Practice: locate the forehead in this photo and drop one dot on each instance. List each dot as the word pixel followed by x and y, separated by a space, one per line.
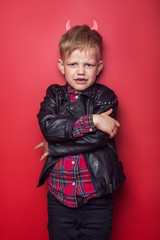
pixel 87 54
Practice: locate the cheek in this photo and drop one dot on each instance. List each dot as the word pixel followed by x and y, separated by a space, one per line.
pixel 67 74
pixel 94 74
pixel 70 72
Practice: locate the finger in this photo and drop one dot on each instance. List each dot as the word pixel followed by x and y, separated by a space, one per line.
pixel 117 124
pixel 113 132
pixel 44 156
pixel 111 135
pixel 39 145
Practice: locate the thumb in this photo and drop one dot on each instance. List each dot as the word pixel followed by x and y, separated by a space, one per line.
pixel 109 111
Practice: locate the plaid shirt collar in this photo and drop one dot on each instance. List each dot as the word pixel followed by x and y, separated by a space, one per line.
pixel 72 91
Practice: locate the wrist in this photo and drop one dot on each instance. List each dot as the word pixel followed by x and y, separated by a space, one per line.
pixel 95 119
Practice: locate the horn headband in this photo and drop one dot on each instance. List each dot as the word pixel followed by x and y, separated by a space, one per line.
pixel 95 25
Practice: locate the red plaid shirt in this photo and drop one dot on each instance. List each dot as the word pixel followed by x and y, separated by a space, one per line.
pixel 70 176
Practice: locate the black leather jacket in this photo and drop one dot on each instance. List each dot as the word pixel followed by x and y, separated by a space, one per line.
pixel 57 117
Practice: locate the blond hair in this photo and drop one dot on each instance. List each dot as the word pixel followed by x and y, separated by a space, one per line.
pixel 79 37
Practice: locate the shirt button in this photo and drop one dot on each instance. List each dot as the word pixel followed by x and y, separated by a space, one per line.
pixel 76 96
pixel 90 129
pixel 73 162
pixel 73 183
pixel 71 107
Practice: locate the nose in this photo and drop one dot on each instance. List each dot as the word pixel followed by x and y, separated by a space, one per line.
pixel 81 70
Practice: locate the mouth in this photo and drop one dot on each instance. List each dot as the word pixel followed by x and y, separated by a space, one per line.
pixel 80 80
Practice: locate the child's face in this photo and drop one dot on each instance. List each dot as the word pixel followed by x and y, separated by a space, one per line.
pixel 81 68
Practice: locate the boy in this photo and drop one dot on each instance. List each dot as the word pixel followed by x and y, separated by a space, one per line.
pixel 78 123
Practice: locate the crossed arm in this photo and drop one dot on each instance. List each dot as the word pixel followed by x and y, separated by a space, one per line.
pixel 103 122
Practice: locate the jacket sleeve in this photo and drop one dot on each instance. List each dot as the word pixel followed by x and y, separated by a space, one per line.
pixel 91 141
pixel 54 128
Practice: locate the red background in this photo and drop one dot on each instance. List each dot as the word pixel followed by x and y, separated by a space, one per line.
pixel 30 31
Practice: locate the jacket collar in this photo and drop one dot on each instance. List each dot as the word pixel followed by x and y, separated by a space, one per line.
pixel 90 92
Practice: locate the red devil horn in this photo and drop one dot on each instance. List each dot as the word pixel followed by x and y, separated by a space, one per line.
pixel 95 25
pixel 68 26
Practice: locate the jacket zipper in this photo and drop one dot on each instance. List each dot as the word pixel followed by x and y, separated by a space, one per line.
pixel 104 163
pixel 88 107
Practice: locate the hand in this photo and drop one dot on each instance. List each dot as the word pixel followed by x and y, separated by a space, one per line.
pixel 105 123
pixel 43 144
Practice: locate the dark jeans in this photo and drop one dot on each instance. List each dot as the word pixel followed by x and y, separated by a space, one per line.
pixel 90 221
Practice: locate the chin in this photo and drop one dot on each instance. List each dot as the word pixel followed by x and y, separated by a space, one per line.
pixel 80 89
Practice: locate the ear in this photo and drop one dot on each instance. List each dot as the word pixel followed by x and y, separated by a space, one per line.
pixel 100 66
pixel 61 66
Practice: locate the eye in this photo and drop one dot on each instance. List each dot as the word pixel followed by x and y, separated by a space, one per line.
pixel 89 65
pixel 72 64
